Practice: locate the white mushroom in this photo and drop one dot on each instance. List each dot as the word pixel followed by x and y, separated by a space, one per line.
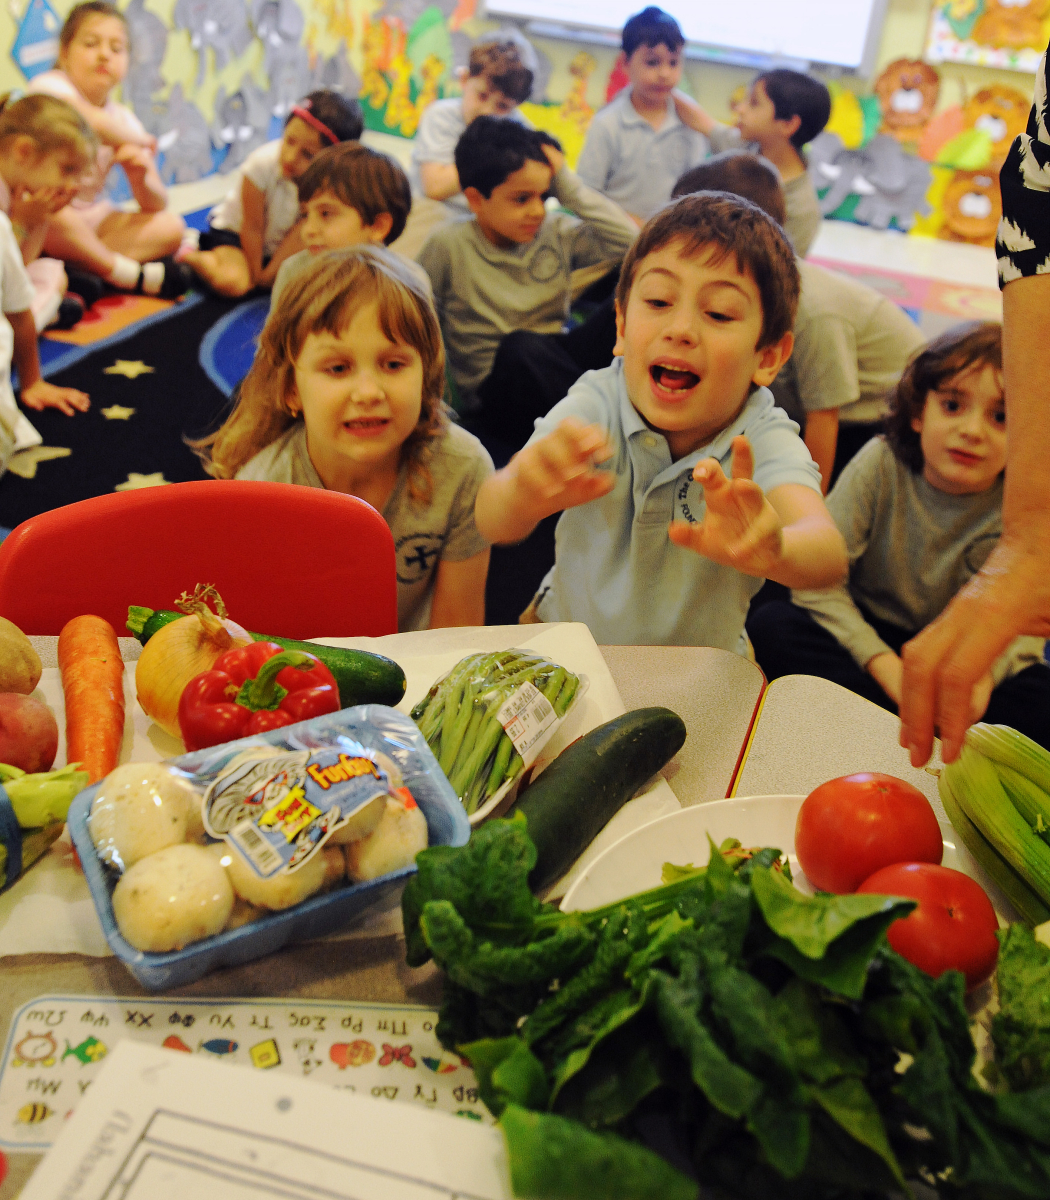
pixel 361 823
pixel 394 844
pixel 140 808
pixel 279 891
pixel 168 899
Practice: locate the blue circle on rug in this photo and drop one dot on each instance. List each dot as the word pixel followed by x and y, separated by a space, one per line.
pixel 229 346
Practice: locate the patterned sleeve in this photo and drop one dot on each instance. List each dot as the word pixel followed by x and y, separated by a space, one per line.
pixel 1023 244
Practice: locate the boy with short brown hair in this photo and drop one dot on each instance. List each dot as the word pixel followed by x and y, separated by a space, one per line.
pixel 704 309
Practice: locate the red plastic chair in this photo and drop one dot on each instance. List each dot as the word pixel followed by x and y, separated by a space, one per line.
pixel 294 561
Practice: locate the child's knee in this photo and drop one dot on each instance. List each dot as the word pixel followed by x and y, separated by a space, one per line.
pixel 167 228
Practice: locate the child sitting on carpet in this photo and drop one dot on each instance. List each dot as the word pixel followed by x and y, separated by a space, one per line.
pixel 129 250
pixel 254 229
pixel 349 196
pixel 920 509
pixel 45 148
pixel 345 393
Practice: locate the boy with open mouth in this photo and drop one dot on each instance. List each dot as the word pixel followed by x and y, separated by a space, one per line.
pixel 681 485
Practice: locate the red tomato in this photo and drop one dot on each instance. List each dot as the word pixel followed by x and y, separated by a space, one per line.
pixel 952 929
pixel 850 827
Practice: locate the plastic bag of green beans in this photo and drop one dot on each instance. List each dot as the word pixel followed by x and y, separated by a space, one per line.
pixel 490 716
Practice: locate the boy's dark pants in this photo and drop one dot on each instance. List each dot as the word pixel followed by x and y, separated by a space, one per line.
pixel 533 371
pixel 788 641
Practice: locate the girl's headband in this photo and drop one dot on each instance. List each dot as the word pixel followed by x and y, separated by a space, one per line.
pixel 304 114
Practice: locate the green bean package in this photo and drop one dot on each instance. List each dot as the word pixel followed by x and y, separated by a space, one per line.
pixel 489 718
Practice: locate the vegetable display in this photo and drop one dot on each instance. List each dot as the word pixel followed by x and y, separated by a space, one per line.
pixel 363 677
pixel 32 811
pixel 997 795
pixel 590 781
pixel 768 1042
pixel 462 721
pixel 93 688
pixel 251 689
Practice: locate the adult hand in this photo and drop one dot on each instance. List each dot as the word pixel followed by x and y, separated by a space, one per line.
pixel 41 395
pixel 946 667
pixel 740 529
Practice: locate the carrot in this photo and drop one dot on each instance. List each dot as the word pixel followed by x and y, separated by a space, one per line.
pixel 93 684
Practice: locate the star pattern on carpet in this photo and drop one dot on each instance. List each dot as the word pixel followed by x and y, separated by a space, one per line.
pixel 136 481
pixel 117 412
pixel 127 368
pixel 24 463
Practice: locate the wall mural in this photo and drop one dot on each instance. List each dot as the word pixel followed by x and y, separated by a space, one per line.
pixel 888 159
pixel 992 33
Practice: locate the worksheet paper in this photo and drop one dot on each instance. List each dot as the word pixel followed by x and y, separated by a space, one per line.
pixel 166 1126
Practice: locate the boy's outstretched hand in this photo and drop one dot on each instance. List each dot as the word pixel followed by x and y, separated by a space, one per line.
pixel 41 395
pixel 740 529
pixel 559 471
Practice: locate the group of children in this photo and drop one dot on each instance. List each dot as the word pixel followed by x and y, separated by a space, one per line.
pixel 673 450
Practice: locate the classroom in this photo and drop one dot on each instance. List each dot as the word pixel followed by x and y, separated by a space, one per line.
pixel 524 597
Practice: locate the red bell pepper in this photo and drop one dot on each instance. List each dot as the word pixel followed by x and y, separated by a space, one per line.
pixel 252 689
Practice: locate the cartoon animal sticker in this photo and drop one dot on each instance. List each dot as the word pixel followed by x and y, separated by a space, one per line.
pixel 174 1042
pixel 33 1114
pixel 907 92
pixel 35 1050
pixel 393 1054
pixel 219 1046
pixel 90 1050
pixel 351 1054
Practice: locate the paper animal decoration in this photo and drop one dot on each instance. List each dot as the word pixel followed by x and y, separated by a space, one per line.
pixel 907 91
pixel 35 47
pixel 185 144
pixel 220 24
pixel 1012 24
pixel 972 207
pixel 149 44
pixel 1002 113
pixel 888 185
pixel 242 122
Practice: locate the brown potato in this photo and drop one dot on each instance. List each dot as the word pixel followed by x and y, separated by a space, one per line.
pixel 19 662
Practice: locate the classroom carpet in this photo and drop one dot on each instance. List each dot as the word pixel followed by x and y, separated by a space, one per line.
pixel 159 373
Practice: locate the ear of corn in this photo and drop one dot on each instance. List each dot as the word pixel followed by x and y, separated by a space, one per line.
pixel 1030 907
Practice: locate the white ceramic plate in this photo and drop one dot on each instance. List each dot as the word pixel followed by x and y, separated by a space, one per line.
pixel 633 864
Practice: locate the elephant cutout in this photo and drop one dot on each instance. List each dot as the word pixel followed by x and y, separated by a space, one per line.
pixel 149 44
pixel 242 122
pixel 890 183
pixel 185 142
pixel 220 24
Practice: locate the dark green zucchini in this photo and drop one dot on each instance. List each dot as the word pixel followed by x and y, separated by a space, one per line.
pixel 588 783
pixel 363 677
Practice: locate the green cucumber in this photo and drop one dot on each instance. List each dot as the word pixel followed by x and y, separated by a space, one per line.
pixel 590 781
pixel 363 677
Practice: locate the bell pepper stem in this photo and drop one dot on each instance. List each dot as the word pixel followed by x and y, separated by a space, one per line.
pixel 264 692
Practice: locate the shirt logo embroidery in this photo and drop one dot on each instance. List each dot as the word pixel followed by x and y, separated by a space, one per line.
pixel 417 554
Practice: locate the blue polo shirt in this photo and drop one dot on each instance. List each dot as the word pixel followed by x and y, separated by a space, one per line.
pixel 634 164
pixel 615 567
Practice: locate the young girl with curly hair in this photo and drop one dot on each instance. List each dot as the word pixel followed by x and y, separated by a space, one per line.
pixel 345 393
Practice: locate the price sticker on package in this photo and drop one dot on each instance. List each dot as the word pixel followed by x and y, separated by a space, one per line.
pixel 528 720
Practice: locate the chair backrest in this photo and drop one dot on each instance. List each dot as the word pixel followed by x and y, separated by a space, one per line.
pixel 294 561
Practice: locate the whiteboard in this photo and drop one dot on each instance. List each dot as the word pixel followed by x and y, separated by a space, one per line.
pixel 842 33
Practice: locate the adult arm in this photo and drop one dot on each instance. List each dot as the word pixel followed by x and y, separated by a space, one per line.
pixel 1010 594
pixel 459 592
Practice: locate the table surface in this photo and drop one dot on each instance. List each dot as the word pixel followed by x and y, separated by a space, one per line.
pixel 809 731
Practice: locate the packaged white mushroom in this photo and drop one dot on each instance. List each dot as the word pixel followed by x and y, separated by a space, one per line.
pixel 171 898
pixel 393 844
pixel 140 808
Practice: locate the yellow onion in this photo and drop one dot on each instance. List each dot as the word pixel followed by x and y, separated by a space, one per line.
pixel 181 650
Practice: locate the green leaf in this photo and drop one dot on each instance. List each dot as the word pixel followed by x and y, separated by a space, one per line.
pixel 781 1126
pixel 589 1031
pixel 812 923
pixel 508 1073
pixel 1021 1028
pixel 632 1062
pixel 728 1086
pixel 553 1158
pixel 820 1045
pixel 849 1104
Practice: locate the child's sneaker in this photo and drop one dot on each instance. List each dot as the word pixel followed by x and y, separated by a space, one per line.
pixel 70 310
pixel 165 279
pixel 88 286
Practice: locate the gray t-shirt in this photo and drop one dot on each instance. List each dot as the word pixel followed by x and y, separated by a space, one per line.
pixel 911 548
pixel 424 535
pixel 483 291
pixel 851 345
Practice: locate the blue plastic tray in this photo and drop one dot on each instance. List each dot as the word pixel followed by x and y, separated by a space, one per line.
pixel 321 914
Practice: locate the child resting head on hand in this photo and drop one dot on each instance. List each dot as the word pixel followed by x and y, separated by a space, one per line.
pixel 681 429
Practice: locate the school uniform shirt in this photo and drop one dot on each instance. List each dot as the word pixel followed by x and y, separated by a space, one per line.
pixel 440 128
pixel 803 218
pixel 483 291
pixel 911 548
pixel 851 345
pixel 16 295
pixel 424 535
pixel 1023 244
pixel 615 567
pixel 57 83
pixel 280 197
pixel 629 161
